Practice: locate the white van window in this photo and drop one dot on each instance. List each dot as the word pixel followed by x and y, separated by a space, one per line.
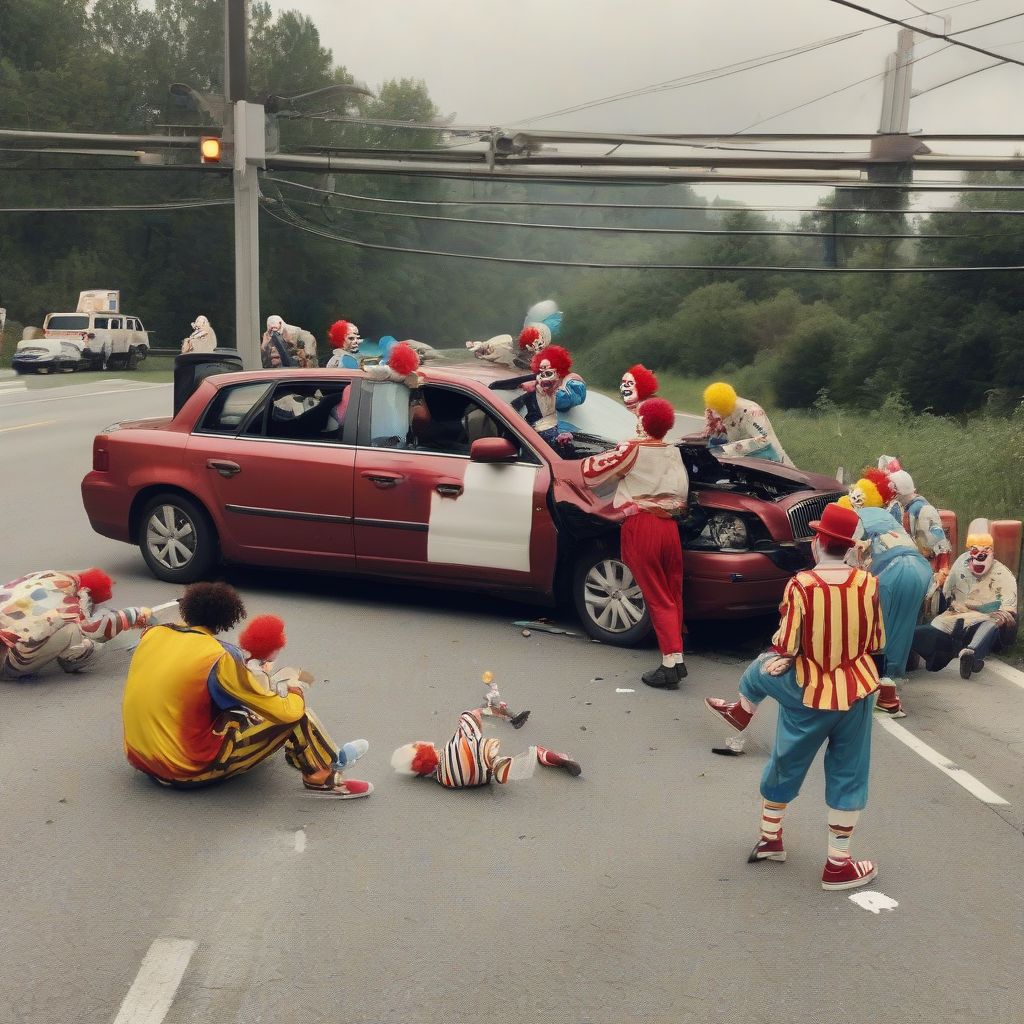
pixel 138 325
pixel 101 323
pixel 129 323
pixel 115 323
pixel 68 322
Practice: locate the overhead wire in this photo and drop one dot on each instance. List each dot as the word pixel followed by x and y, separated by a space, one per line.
pixel 292 221
pixel 123 208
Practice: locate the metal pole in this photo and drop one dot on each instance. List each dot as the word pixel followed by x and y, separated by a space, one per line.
pixel 249 145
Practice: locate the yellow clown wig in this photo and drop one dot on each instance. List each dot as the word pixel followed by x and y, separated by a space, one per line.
pixel 863 494
pixel 720 398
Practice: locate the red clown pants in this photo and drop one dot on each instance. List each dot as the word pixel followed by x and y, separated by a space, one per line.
pixel 651 548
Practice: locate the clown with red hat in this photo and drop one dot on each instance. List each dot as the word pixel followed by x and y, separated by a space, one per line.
pixel 651 492
pixel 55 616
pixel 820 671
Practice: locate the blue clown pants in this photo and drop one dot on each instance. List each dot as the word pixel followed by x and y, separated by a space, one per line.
pixel 800 734
pixel 902 586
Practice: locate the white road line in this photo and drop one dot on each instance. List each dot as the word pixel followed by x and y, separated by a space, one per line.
pixel 152 992
pixel 947 767
pixel 1007 672
pixel 87 394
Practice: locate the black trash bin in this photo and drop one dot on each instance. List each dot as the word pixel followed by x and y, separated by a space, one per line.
pixel 192 368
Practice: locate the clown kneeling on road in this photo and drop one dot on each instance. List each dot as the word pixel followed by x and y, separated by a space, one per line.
pixel 981 609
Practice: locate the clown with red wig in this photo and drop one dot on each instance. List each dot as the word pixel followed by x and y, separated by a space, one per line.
pixel 554 390
pixel 344 339
pixel 55 616
pixel 651 493
pixel 470 758
pixel 638 384
pixel 198 710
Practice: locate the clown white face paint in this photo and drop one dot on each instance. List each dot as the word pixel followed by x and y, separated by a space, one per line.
pixel 547 377
pixel 857 497
pixel 629 393
pixel 981 557
pixel 352 339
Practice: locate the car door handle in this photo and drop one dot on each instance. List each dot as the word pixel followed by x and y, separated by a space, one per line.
pixel 224 467
pixel 449 490
pixel 382 479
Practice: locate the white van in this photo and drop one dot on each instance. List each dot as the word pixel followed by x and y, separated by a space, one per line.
pixel 97 336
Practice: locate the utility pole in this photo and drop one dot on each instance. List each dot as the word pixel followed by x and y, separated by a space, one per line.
pixel 899 69
pixel 246 124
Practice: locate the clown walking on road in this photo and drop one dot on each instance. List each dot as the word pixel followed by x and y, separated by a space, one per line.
pixel 652 493
pixel 824 680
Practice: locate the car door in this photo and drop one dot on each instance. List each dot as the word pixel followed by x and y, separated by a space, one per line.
pixel 277 472
pixel 423 508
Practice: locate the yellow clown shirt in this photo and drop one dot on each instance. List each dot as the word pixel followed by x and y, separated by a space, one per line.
pixel 181 681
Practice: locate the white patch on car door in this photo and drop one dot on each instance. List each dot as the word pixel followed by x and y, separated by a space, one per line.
pixel 488 524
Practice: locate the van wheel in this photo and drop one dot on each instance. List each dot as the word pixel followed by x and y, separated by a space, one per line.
pixel 608 599
pixel 177 539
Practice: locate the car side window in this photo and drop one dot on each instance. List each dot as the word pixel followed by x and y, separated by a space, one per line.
pixel 230 408
pixel 430 418
pixel 300 411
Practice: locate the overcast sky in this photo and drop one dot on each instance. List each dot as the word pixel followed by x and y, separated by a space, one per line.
pixel 504 64
pixel 500 63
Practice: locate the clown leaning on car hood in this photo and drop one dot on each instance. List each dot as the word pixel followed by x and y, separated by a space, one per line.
pixel 736 426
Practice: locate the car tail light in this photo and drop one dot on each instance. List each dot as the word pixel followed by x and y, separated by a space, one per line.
pixel 100 455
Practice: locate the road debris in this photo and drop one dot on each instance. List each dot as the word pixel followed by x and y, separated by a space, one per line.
pixel 543 626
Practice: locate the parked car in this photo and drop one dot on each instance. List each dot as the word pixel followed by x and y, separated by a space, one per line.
pixel 97 336
pixel 444 485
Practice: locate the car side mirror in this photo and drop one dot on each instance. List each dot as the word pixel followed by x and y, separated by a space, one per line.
pixel 492 449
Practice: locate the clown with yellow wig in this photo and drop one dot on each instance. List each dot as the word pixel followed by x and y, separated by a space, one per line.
pixel 736 426
pixel 981 608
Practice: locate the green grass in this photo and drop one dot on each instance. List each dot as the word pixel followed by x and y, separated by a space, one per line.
pixel 155 369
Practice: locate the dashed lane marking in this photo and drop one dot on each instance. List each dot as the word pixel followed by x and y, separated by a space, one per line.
pixel 25 426
pixel 153 989
pixel 947 767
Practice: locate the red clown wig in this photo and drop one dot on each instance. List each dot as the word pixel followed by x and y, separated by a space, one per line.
pixel 338 331
pixel 646 382
pixel 881 480
pixel 263 637
pixel 98 583
pixel 657 417
pixel 530 335
pixel 560 360
pixel 403 359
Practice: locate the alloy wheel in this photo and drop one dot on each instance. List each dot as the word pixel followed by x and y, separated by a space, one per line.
pixel 612 596
pixel 171 537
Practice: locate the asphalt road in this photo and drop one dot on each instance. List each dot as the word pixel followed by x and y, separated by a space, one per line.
pixel 622 895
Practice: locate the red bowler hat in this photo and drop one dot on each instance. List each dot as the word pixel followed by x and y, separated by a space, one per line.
pixel 838 523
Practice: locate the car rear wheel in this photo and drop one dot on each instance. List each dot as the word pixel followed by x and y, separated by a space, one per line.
pixel 608 599
pixel 177 539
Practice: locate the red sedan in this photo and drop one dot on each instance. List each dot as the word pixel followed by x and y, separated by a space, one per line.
pixel 444 484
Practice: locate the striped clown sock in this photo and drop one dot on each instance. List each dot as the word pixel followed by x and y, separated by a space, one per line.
pixel 840 829
pixel 771 819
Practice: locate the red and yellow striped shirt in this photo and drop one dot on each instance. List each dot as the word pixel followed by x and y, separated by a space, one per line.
pixel 831 630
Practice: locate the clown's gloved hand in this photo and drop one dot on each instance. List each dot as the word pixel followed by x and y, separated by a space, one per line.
pixel 564 437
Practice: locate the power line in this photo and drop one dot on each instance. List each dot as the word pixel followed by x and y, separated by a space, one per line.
pixel 705 207
pixel 835 92
pixel 998 21
pixel 292 221
pixel 625 230
pixel 127 208
pixel 925 32
pixel 700 77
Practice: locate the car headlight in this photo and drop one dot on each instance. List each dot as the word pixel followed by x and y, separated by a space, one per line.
pixel 728 531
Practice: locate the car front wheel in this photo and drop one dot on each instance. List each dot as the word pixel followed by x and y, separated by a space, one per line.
pixel 608 598
pixel 177 539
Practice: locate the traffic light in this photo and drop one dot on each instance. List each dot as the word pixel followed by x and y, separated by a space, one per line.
pixel 209 149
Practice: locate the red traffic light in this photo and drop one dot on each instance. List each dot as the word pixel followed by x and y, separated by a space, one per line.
pixel 209 149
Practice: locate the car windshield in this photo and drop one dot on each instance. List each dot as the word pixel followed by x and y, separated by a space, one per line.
pixel 597 425
pixel 68 322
